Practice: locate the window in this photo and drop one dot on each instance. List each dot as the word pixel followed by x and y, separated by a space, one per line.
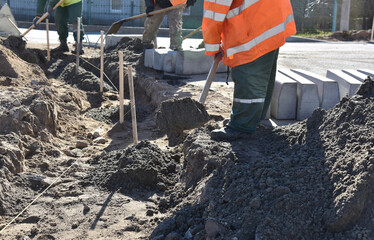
pixel 116 6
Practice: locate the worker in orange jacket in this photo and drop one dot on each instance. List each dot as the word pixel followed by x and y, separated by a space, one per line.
pixel 249 33
pixel 153 23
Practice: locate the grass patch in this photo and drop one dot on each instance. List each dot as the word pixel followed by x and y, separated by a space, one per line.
pixel 313 34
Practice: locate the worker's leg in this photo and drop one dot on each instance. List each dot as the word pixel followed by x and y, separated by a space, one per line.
pixel 251 83
pixel 175 28
pixel 61 21
pixel 269 92
pixel 75 11
pixel 151 26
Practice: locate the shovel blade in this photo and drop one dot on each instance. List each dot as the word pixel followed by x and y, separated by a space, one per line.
pixel 115 27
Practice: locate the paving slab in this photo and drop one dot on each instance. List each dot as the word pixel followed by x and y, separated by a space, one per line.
pixel 284 99
pixel 328 89
pixel 356 74
pixel 149 57
pixel 347 85
pixel 368 72
pixel 194 61
pixel 307 95
pixel 169 61
pixel 158 58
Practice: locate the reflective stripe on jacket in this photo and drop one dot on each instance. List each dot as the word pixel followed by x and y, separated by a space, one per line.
pixel 248 29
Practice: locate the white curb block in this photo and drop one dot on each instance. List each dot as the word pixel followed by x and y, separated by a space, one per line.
pixel 347 84
pixel 328 89
pixel 307 95
pixel 284 100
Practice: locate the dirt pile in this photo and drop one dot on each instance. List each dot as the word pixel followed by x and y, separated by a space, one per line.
pixel 310 180
pixel 142 166
pixel 84 79
pixel 32 118
pixel 176 115
pixel 18 46
pixel 14 67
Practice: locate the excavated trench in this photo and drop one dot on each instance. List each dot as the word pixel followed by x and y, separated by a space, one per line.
pixel 309 180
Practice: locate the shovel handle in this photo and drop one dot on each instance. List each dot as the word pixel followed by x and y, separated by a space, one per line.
pixel 209 79
pixel 45 15
pixel 155 12
pixel 192 33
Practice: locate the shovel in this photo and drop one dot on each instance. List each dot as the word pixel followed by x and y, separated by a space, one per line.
pixel 209 79
pixel 45 15
pixel 117 25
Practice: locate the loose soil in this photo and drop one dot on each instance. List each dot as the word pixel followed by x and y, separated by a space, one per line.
pixel 310 180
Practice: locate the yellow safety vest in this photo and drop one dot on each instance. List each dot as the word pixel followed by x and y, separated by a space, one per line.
pixel 69 2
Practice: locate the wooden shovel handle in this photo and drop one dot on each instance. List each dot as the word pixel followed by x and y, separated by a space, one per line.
pixel 209 79
pixel 45 15
pixel 155 12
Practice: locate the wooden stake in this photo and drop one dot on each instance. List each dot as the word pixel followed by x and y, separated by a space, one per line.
pixel 133 109
pixel 77 44
pixel 372 31
pixel 47 30
pixel 102 63
pixel 121 83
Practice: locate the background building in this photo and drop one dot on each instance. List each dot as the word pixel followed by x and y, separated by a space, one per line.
pixel 310 15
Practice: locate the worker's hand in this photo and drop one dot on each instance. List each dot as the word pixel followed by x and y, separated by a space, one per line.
pixel 190 2
pixel 35 20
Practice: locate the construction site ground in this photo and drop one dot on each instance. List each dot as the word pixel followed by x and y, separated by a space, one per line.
pixel 309 180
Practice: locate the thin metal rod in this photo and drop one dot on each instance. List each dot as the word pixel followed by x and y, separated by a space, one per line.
pixel 133 108
pixel 77 44
pixel 102 63
pixel 48 48
pixel 121 83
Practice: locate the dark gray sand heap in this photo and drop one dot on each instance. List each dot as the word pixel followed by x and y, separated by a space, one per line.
pixel 177 115
pixel 142 166
pixel 84 80
pixel 310 180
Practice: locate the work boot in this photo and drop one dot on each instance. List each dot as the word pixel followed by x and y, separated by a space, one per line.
pixel 228 134
pixel 148 46
pixel 62 48
pixel 81 52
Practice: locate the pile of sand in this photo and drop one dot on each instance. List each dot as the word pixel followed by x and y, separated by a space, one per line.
pixel 310 180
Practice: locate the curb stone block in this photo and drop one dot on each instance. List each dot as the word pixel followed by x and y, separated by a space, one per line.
pixel 356 74
pixel 284 100
pixel 169 61
pixel 328 89
pixel 158 58
pixel 112 40
pixel 149 58
pixel 367 72
pixel 194 61
pixel 307 95
pixel 347 84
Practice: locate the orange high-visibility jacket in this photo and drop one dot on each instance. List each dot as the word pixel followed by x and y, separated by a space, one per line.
pixel 177 2
pixel 248 29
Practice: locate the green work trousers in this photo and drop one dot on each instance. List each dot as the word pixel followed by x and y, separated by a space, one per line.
pixel 253 89
pixel 153 23
pixel 65 15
